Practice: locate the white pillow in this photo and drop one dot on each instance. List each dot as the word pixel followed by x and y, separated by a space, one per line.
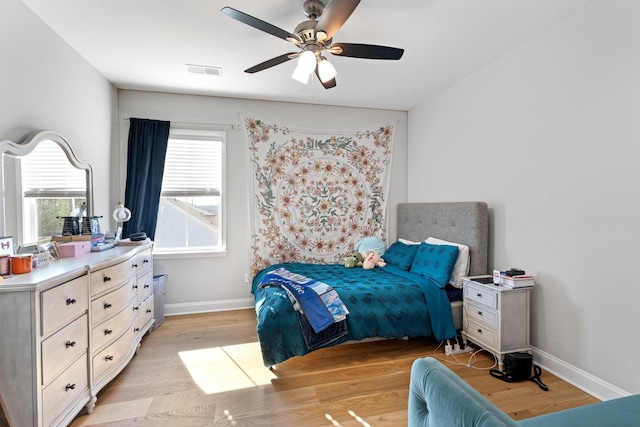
pixel 407 242
pixel 462 265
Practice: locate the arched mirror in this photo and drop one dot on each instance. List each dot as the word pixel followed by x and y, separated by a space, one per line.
pixel 42 180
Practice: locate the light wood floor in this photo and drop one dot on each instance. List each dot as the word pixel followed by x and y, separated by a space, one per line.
pixel 206 370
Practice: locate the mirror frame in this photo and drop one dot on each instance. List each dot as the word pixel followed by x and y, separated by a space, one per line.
pixel 27 146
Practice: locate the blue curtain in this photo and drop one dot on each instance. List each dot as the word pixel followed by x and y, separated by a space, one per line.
pixel 148 141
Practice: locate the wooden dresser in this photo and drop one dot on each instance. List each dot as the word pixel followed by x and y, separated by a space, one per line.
pixel 68 328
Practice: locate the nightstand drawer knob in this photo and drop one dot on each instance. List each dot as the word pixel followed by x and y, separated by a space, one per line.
pixel 479 331
pixel 479 313
pixel 479 295
pixel 70 387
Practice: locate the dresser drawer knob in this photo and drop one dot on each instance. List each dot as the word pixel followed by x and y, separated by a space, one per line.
pixel 70 344
pixel 135 308
pixel 145 286
pixel 108 357
pixel 108 331
pixel 148 310
pixel 479 331
pixel 70 387
pixel 479 313
pixel 145 261
pixel 71 301
pixel 135 286
pixel 106 305
pixel 136 329
pixel 134 265
pixel 479 295
pixel 106 279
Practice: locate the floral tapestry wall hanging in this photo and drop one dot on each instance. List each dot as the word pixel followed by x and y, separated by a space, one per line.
pixel 315 194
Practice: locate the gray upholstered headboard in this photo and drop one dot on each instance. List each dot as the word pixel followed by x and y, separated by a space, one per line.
pixel 460 222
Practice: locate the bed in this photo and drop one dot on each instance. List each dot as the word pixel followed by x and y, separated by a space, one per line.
pixel 383 303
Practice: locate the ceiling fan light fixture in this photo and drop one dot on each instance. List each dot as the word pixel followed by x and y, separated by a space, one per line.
pixel 307 62
pixel 300 75
pixel 326 70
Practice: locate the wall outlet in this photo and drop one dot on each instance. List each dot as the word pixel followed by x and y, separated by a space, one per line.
pixel 247 277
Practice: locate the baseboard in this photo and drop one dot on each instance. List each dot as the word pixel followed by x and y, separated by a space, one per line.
pixel 583 380
pixel 208 306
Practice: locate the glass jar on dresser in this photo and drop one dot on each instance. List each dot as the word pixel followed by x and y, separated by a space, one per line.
pixel 68 328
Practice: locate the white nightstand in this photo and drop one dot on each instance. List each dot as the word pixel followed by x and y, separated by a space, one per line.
pixel 496 318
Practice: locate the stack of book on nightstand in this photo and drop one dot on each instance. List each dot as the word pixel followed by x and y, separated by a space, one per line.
pixel 507 280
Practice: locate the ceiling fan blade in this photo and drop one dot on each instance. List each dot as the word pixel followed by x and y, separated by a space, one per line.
pixel 327 85
pixel 271 62
pixel 334 16
pixel 367 51
pixel 259 24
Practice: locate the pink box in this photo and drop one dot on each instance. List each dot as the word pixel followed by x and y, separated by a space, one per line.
pixel 73 249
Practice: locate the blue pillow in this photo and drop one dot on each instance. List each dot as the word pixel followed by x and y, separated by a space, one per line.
pixel 435 261
pixel 401 255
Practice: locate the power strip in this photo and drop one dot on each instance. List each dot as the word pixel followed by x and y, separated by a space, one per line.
pixel 450 350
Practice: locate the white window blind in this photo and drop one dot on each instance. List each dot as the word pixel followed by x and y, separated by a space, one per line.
pixel 46 173
pixel 192 167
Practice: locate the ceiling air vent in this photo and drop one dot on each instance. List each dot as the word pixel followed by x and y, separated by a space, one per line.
pixel 204 69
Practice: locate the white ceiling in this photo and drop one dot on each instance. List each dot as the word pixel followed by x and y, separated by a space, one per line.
pixel 145 44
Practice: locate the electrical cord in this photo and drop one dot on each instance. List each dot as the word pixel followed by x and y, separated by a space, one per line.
pixel 473 359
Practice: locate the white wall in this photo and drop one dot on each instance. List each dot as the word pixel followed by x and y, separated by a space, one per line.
pixel 217 283
pixel 45 84
pixel 548 135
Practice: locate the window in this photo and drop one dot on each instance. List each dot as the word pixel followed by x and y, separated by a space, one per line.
pixel 191 211
pixel 51 188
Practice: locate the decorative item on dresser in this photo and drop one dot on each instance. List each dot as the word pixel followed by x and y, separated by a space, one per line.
pixel 496 317
pixel 68 329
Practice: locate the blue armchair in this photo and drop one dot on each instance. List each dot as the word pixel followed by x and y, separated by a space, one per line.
pixel 439 398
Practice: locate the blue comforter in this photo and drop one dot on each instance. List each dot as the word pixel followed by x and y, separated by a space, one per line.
pixel 383 302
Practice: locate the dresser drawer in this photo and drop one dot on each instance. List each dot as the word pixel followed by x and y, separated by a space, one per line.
pixel 479 313
pixel 111 329
pixel 144 287
pixel 144 262
pixel 66 388
pixel 108 305
pixel 112 277
pixel 145 313
pixel 113 355
pixel 63 303
pixel 485 336
pixel 63 347
pixel 482 295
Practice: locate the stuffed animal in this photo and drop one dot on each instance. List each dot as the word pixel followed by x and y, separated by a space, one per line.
pixel 373 260
pixel 369 244
pixel 354 260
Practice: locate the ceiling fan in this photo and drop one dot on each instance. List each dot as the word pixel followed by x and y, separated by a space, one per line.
pixel 313 37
